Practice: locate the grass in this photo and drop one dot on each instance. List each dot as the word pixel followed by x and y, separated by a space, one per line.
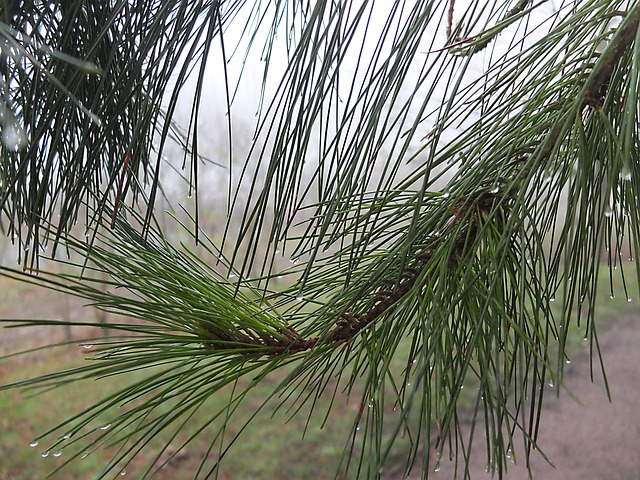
pixel 272 447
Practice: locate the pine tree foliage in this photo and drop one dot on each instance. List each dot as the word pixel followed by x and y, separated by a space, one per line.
pixel 449 256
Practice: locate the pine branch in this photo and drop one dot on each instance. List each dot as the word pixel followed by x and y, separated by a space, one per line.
pixel 349 324
pixel 455 281
pixel 466 220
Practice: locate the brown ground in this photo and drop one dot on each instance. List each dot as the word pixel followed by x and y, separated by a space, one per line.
pixel 594 439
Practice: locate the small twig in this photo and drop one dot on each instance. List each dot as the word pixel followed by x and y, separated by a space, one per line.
pixel 450 17
pixel 516 10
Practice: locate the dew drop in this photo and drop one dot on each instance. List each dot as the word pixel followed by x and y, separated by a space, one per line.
pixel 33 444
pixel 57 454
pixel 608 212
pixel 495 189
pixel 552 299
pixel 437 467
pixel 628 299
pixel 66 437
pixel 295 261
pixel 357 429
pixel 84 455
pixel 44 454
pixel 123 473
pixel 445 195
pixel 105 427
pixel 95 119
pixel 300 298
pixel 87 346
pixel 551 383
pixel 510 456
pixel 567 361
pixel 612 296
pixel 13 137
pixel 277 252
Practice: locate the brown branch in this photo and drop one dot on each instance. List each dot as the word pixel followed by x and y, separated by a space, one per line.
pixel 472 209
pixel 593 91
pixel 516 10
pixel 450 17
pixel 603 69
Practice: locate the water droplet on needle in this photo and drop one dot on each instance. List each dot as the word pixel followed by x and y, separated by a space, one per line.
pixel 13 137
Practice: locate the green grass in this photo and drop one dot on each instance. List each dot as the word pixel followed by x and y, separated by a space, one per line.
pixel 272 446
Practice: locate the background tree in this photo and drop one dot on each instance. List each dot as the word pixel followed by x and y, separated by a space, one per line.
pixel 447 254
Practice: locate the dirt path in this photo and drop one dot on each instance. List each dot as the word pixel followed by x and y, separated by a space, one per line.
pixel 591 440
